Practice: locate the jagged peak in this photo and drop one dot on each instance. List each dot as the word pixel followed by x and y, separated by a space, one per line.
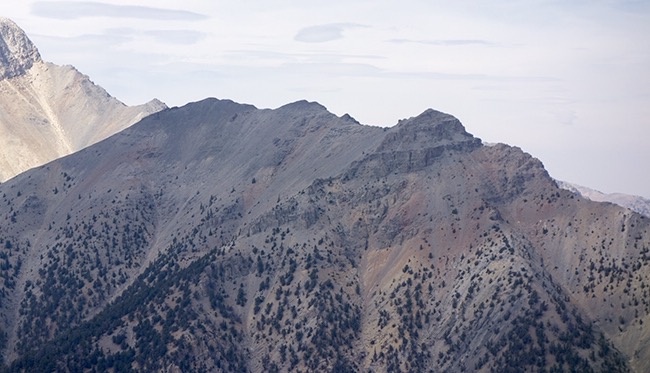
pixel 17 53
pixel 214 102
pixel 348 118
pixel 303 105
pixel 431 115
pixel 156 104
pixel 435 123
pixel 210 106
pixel 432 118
pixel 431 128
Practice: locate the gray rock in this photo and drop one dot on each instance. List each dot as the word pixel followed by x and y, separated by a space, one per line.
pixel 17 52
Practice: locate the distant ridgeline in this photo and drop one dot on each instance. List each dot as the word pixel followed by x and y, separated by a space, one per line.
pixel 634 203
pixel 49 111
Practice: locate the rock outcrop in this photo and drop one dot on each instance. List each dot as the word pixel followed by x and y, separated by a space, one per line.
pixel 17 53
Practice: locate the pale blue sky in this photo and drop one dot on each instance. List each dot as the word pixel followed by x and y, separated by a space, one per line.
pixel 567 81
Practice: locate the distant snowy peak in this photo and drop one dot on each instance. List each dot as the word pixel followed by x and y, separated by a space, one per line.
pixel 634 203
pixel 17 53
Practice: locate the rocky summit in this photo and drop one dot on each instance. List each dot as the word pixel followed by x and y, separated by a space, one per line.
pixel 17 53
pixel 218 237
pixel 49 111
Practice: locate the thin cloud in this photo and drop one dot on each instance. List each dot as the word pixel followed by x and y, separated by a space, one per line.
pixel 184 37
pixel 478 77
pixel 94 41
pixel 86 9
pixel 266 55
pixel 297 67
pixel 332 69
pixel 445 42
pixel 324 33
pixel 566 117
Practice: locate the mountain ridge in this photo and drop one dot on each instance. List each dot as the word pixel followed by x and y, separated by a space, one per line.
pixel 293 239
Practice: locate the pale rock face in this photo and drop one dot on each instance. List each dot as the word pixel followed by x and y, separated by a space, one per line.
pixel 17 52
pixel 49 111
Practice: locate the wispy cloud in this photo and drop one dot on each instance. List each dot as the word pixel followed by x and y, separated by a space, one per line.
pixel 473 77
pixel 184 37
pixel 113 37
pixel 95 41
pixel 304 57
pixel 445 42
pixel 332 69
pixel 324 33
pixel 85 9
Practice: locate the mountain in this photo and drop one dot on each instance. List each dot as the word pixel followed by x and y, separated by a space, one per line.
pixel 48 111
pixel 221 237
pixel 634 203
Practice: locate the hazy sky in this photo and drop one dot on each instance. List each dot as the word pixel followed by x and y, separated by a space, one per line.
pixel 567 81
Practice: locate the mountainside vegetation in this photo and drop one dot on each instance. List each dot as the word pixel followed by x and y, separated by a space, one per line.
pixel 221 237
